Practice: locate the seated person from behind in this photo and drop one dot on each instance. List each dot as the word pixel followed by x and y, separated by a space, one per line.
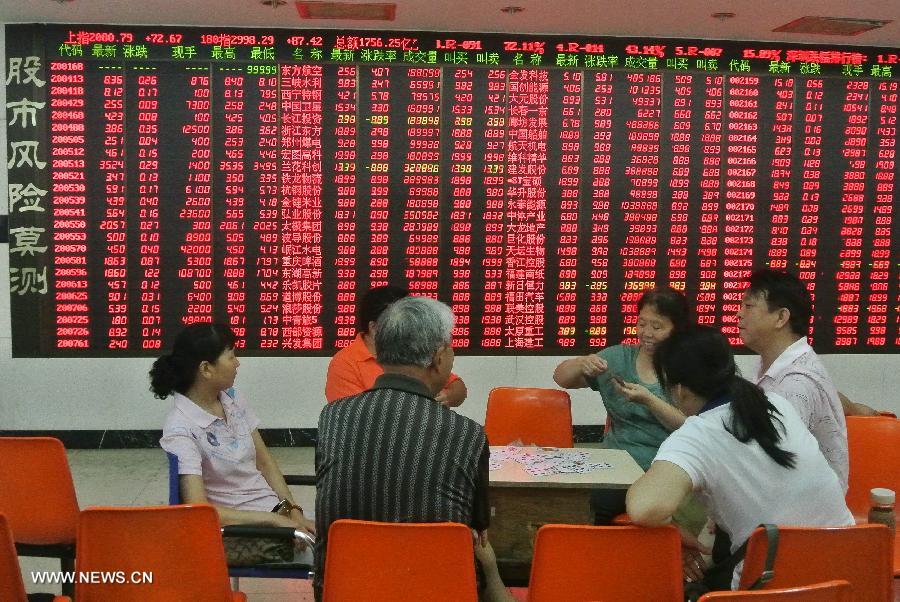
pixel 354 368
pixel 393 453
pixel 773 321
pixel 222 459
pixel 747 454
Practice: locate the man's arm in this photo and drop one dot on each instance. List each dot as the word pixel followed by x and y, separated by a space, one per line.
pixel 654 497
pixel 481 505
pixel 454 393
pixel 577 372
pixel 273 476
pixel 668 415
pixel 342 380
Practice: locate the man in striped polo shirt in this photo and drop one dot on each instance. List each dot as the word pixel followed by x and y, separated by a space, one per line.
pixel 395 454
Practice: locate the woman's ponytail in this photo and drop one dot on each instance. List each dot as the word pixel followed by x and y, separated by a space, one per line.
pixel 754 417
pixel 700 358
pixel 163 377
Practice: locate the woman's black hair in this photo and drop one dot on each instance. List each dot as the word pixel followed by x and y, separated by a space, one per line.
pixel 374 302
pixel 700 358
pixel 670 303
pixel 201 342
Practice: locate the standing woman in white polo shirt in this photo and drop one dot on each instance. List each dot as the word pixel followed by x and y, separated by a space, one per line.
pixel 222 459
pixel 747 454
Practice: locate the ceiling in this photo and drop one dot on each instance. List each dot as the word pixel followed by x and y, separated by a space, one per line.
pixel 753 20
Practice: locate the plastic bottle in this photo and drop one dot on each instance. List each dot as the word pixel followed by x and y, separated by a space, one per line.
pixel 882 510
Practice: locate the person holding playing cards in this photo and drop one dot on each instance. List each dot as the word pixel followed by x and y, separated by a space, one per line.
pixel 640 414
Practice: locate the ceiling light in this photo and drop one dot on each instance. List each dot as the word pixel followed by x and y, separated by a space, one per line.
pixel 723 16
pixel 832 26
pixel 511 10
pixel 273 3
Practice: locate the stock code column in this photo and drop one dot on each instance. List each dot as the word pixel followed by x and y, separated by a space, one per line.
pixel 598 146
pixel 564 274
pixel 67 172
pixel 143 106
pixel 493 178
pixel 375 160
pixel 105 161
pixel 742 142
pixel 301 208
pixel 639 193
pixel 344 238
pixel 417 114
pixel 526 212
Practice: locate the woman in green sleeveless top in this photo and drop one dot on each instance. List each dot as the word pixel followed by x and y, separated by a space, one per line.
pixel 640 414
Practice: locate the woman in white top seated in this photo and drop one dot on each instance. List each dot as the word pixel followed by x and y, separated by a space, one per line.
pixel 748 455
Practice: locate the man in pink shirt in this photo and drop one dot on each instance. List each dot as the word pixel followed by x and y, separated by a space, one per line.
pixel 774 321
pixel 354 368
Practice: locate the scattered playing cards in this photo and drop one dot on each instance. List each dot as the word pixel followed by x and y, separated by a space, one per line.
pixel 545 461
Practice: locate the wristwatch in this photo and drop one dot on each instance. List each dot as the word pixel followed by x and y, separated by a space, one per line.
pixel 285 506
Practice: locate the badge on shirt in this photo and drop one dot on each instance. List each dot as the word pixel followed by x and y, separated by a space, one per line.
pixel 211 437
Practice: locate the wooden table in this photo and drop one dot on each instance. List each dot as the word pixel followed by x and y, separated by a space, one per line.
pixel 522 503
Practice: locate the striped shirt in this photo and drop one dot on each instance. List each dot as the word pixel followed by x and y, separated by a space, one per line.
pixel 394 454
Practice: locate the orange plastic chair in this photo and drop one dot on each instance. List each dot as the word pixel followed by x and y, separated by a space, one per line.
pixel 859 554
pixel 399 562
pixel 38 498
pixel 577 563
pixel 532 416
pixel 178 547
pixel 874 449
pixel 12 589
pixel 830 591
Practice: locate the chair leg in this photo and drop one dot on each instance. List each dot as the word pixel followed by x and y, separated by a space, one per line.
pixel 235 584
pixel 67 565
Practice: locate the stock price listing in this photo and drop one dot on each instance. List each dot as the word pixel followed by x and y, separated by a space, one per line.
pixel 537 184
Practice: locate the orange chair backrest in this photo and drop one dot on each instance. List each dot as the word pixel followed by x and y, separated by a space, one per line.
pixel 12 589
pixel 180 546
pixel 533 416
pixel 861 554
pixel 577 563
pixel 399 562
pixel 874 447
pixel 830 591
pixel 36 491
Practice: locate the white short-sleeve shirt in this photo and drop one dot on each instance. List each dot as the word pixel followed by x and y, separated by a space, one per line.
pixel 742 487
pixel 799 376
pixel 221 451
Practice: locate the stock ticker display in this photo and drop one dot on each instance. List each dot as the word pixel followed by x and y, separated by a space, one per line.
pixel 537 184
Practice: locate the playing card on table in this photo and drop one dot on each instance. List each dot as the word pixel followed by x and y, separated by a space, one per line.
pixel 546 461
